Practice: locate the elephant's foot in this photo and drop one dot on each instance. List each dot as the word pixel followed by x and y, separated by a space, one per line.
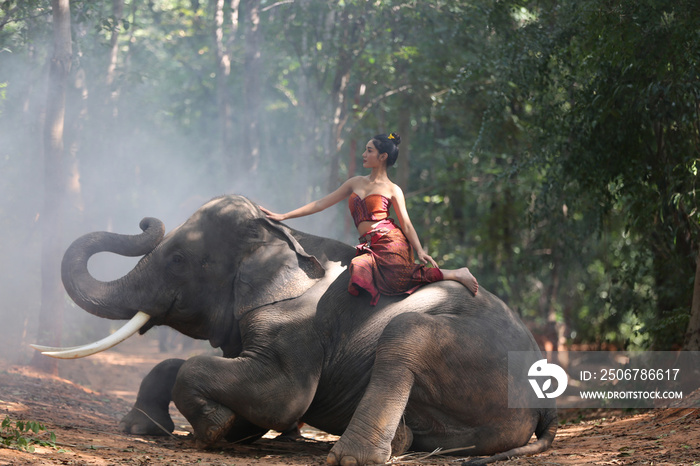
pixel 347 452
pixel 354 453
pixel 140 422
pixel 292 434
pixel 212 424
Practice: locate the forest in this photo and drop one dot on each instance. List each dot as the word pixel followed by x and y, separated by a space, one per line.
pixel 553 147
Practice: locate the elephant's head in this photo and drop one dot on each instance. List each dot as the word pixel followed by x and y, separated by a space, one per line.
pixel 224 261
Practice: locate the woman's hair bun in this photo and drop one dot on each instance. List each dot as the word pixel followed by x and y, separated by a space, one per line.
pixel 395 138
pixel 389 145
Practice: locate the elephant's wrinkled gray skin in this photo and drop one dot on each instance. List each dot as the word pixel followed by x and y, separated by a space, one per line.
pixel 298 347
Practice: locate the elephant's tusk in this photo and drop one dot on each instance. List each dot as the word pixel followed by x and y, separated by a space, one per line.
pixel 114 339
pixel 45 349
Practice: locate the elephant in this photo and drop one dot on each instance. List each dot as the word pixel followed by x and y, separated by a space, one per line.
pixel 418 372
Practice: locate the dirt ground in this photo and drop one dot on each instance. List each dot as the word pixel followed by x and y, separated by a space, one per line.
pixel 83 407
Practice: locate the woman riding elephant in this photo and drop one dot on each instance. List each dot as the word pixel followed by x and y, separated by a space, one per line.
pixel 385 256
pixel 423 372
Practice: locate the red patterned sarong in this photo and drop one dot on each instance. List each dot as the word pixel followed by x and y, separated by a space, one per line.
pixel 384 264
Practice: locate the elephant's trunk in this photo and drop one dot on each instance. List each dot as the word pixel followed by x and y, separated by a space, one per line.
pixel 118 299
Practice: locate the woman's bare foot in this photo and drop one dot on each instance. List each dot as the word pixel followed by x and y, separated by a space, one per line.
pixel 463 276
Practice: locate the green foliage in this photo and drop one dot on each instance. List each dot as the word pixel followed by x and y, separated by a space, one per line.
pixel 553 145
pixel 606 96
pixel 3 94
pixel 18 434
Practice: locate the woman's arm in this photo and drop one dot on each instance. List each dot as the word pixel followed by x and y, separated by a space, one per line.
pixel 331 199
pixel 399 203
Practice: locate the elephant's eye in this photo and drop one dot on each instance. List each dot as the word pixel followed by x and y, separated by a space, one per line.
pixel 178 259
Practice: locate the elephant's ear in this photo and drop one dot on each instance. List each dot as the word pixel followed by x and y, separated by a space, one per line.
pixel 278 269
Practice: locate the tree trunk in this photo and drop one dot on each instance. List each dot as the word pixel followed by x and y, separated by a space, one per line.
pixel 692 335
pixel 131 40
pixel 251 90
pixel 112 91
pixel 223 72
pixel 404 160
pixel 117 13
pixel 339 96
pixel 553 337
pixel 52 295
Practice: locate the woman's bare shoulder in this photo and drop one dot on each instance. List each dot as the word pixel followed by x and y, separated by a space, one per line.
pixel 357 182
pixel 396 192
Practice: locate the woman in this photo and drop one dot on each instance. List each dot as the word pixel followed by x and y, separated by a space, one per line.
pixel 384 263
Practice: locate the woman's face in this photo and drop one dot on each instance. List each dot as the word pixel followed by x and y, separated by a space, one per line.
pixel 371 157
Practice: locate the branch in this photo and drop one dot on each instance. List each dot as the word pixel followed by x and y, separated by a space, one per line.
pixel 9 19
pixel 269 7
pixel 379 98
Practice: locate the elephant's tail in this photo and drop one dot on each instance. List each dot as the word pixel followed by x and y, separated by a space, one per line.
pixel 545 431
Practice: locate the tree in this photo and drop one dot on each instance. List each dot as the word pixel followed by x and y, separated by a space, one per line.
pixel 252 88
pixel 52 302
pixel 223 45
pixel 530 127
pixel 692 336
pixel 608 94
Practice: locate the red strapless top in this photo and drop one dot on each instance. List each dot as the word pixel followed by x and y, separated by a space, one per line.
pixel 372 208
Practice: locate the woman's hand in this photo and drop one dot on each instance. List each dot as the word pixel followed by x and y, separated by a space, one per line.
pixel 424 257
pixel 273 216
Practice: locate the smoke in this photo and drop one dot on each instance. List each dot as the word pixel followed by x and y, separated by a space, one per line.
pixel 134 157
